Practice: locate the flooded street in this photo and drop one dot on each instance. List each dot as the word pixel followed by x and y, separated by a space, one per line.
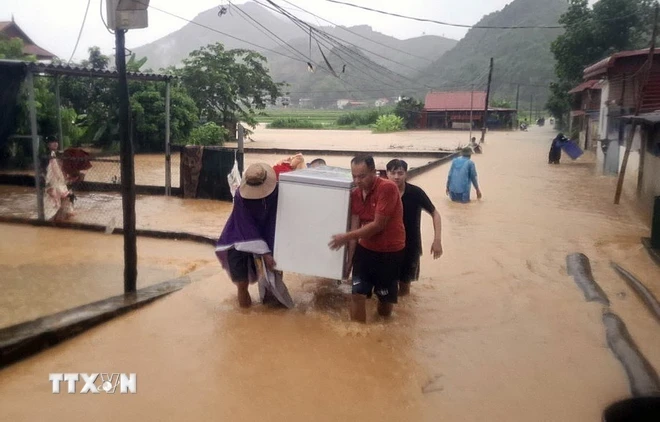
pixel 48 270
pixel 494 330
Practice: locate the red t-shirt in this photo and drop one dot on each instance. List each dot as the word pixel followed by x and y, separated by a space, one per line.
pixel 383 199
pixel 282 168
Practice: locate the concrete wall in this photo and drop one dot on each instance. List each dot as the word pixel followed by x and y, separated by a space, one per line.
pixel 633 161
pixel 651 181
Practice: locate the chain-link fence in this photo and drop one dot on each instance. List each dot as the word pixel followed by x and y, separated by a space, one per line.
pixel 80 185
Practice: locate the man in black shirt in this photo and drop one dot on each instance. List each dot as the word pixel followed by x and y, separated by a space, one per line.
pixel 414 200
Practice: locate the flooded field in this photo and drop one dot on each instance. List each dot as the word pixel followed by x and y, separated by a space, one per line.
pixel 494 330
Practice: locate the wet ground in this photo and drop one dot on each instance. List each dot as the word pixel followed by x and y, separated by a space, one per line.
pixel 494 330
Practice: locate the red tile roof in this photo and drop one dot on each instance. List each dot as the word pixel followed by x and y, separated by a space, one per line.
pixel 461 100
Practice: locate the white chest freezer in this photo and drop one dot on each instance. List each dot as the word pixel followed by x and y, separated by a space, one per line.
pixel 313 205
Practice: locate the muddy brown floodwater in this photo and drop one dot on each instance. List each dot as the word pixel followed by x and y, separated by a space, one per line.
pixel 494 330
pixel 48 270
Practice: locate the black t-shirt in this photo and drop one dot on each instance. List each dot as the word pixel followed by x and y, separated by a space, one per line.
pixel 414 200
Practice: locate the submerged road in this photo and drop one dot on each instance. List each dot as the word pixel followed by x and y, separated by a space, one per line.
pixel 495 330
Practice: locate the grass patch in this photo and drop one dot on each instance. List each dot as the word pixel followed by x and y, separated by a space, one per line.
pixel 316 116
pixel 293 123
pixel 292 118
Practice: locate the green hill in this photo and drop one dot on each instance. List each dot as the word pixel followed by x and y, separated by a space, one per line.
pixel 522 56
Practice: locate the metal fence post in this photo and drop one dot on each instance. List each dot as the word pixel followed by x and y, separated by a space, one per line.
pixel 58 101
pixel 168 156
pixel 35 147
pixel 241 152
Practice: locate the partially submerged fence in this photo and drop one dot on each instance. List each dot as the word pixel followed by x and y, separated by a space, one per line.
pixel 91 176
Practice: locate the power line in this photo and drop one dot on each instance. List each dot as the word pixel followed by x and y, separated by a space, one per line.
pixel 457 25
pixel 271 32
pixel 358 35
pixel 292 17
pixel 334 40
pixel 304 26
pixel 103 19
pixel 222 33
pixel 80 32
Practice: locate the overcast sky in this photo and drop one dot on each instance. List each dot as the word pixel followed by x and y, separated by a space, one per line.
pixel 54 24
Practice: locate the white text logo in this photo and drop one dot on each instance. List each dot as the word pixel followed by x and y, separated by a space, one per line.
pixel 94 383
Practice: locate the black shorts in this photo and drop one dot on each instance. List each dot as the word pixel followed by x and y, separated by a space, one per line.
pixel 377 272
pixel 409 268
pixel 240 263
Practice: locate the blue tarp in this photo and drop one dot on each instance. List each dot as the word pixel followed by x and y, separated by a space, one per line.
pixel 572 149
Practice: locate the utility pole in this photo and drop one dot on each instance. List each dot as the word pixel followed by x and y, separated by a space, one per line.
pixel 471 107
pixel 531 108
pixel 638 104
pixel 122 16
pixel 127 168
pixel 517 104
pixel 485 120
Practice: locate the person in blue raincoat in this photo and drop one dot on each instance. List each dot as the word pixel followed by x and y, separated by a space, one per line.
pixel 462 176
pixel 555 149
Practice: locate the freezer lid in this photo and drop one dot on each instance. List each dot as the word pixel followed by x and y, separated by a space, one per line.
pixel 320 176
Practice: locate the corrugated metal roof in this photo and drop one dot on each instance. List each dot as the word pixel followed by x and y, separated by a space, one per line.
pixel 591 84
pixel 652 118
pixel 599 68
pixel 62 69
pixel 457 100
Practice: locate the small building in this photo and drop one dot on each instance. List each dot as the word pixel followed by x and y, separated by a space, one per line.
pixel 381 102
pixel 305 103
pixel 342 103
pixel 585 112
pixel 356 104
pixel 10 29
pixel 647 175
pixel 283 101
pixel 463 110
pixel 619 80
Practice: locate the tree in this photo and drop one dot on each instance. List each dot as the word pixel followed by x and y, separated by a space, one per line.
pixel 148 116
pixel 591 35
pixel 409 110
pixel 96 101
pixel 500 103
pixel 228 85
pixel 12 48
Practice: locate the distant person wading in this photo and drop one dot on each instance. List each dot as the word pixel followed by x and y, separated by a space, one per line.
pixel 462 176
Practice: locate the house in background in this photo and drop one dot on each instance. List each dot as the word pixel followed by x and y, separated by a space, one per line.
pixel 619 77
pixel 342 103
pixel 585 112
pixel 462 109
pixel 10 29
pixel 381 102
pixel 305 103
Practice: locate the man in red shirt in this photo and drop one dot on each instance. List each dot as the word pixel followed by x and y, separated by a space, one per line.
pixel 377 228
